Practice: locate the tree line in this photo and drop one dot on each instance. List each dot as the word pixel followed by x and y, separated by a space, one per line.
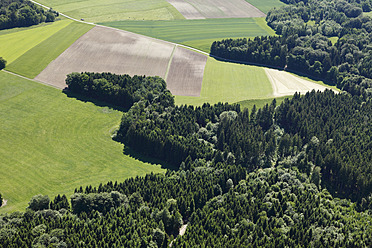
pixel 23 13
pixel 322 39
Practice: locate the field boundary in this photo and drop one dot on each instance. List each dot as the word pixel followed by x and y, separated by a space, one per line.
pixel 169 63
pixel 32 79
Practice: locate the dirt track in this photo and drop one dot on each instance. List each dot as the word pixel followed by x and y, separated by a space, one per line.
pixel 200 9
pixel 285 84
pixel 105 49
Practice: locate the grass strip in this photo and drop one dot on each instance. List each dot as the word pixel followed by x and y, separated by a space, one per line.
pixel 31 63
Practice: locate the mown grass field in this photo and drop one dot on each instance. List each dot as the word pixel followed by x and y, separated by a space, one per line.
pixel 265 5
pixel 261 102
pixel 33 61
pixel 112 10
pixel 229 82
pixel 15 42
pixel 199 34
pixel 51 144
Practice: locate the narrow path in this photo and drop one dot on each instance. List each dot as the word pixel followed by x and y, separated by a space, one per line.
pixel 181 233
pixel 91 23
pixel 34 80
pixel 169 63
pixel 183 229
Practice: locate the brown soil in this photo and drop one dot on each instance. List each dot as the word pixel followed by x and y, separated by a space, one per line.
pixel 199 9
pixel 104 49
pixel 186 72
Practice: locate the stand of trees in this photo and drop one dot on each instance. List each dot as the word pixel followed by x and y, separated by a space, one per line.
pixel 304 45
pixel 245 179
pixel 119 90
pixel 23 13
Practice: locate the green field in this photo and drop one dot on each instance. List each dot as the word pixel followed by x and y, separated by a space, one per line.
pixel 113 10
pixel 199 34
pixel 31 63
pixel 261 102
pixel 265 5
pixel 15 42
pixel 51 144
pixel 229 82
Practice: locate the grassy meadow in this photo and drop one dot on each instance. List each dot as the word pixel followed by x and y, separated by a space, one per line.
pixel 229 82
pixel 199 34
pixel 261 102
pixel 51 144
pixel 15 42
pixel 33 61
pixel 113 10
pixel 265 5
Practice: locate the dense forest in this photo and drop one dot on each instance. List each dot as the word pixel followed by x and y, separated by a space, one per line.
pixel 23 13
pixel 293 175
pixel 324 39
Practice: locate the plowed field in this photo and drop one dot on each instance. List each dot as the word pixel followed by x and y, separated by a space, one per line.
pixel 105 49
pixel 200 9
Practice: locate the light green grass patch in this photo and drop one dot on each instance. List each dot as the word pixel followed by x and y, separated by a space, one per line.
pixel 229 82
pixel 263 24
pixel 199 34
pixel 31 63
pixel 310 23
pixel 15 44
pixel 266 5
pixel 111 10
pixel 51 144
pixel 333 39
pixel 261 102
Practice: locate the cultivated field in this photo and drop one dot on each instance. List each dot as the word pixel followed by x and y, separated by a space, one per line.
pixel 199 34
pixel 285 84
pixel 51 144
pixel 229 82
pixel 111 10
pixel 265 5
pixel 186 72
pixel 33 61
pixel 200 9
pixel 107 50
pixel 15 42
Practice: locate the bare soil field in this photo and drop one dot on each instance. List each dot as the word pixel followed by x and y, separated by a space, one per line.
pixel 186 9
pixel 105 49
pixel 199 9
pixel 285 84
pixel 185 76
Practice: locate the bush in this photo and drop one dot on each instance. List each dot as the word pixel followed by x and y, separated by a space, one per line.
pixel 2 63
pixel 39 202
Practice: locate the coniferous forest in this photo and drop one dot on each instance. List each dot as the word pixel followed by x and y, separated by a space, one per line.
pixel 298 174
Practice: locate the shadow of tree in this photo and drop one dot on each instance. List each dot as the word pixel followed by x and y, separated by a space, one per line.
pixel 147 159
pixel 92 100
